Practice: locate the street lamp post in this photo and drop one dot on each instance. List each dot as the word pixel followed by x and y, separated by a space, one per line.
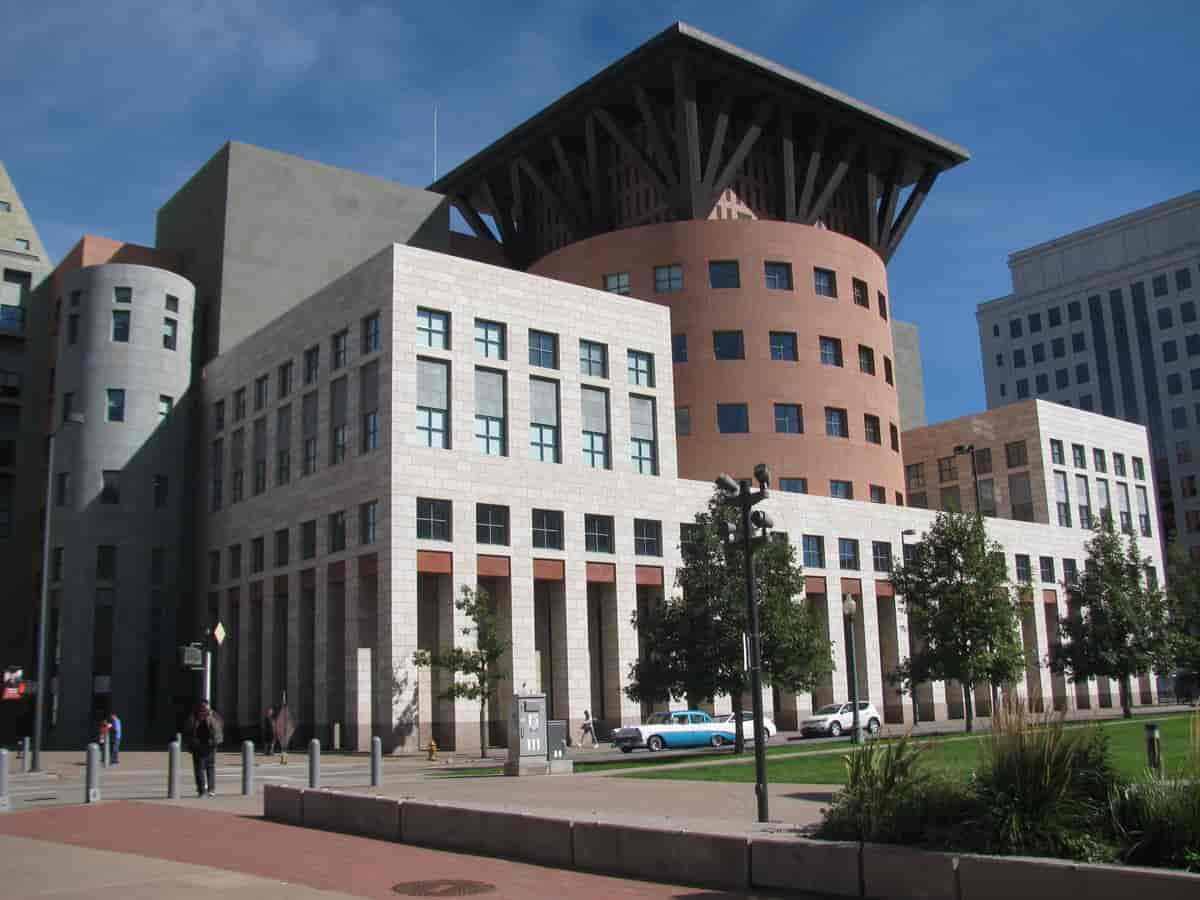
pixel 43 683
pixel 969 450
pixel 739 495
pixel 849 608
pixel 916 706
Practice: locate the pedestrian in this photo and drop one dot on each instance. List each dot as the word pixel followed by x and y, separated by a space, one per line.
pixel 588 729
pixel 114 731
pixel 103 727
pixel 203 734
pixel 268 731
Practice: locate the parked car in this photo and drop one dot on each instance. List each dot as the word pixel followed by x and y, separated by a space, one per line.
pixel 683 728
pixel 748 724
pixel 838 718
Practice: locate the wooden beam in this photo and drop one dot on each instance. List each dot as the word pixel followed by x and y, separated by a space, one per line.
pixel 634 152
pixel 551 195
pixel 887 209
pixel 750 137
pixel 687 140
pixel 835 179
pixel 812 170
pixel 787 155
pixel 463 205
pixel 720 128
pixel 911 205
pixel 655 133
pixel 574 196
pixel 872 215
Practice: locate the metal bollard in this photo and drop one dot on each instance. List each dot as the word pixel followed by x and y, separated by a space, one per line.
pixel 91 791
pixel 376 761
pixel 5 803
pixel 1154 749
pixel 26 760
pixel 314 764
pixel 179 739
pixel 337 735
pixel 173 770
pixel 247 768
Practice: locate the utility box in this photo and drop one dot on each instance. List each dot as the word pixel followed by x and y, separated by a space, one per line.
pixel 556 748
pixel 527 745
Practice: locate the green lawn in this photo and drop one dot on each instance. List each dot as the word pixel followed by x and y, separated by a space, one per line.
pixel 1126 743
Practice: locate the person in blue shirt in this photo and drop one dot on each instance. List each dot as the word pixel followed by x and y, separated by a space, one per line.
pixel 115 731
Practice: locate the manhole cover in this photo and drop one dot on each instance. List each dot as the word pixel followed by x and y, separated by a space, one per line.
pixel 443 887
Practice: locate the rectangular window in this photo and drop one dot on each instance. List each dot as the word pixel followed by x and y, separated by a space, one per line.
pixel 593 359
pixel 56 564
pixel 679 348
pixel 368 522
pixel 950 499
pixel 491 412
pixel 783 346
pixel 594 405
pixel 543 349
pixel 779 276
pixel 1018 357
pixel 814 551
pixel 548 529
pixel 115 408
pixel 338 390
pixel 728 345
pixel 169 333
pixel 1079 456
pixel 308 428
pixel 1159 285
pixel 887 371
pixel 282 547
pixel 794 485
pixel 120 325
pixel 110 492
pixel 284 380
pixel 433 328
pixel 62 489
pixel 841 490
pixel 987 497
pixel 308 539
pixel 683 420
pixel 433 403
pixel 1070 572
pixel 866 360
pixel 733 418
pixel 123 295
pixel 647 537
pixel 1021 497
pixel 261 391
pixel 871 429
pixel 491 524
pixel 641 368
pixel 72 329
pixel 788 418
pixel 1083 501
pixel 1063 499
pixel 1024 568
pixel 617 283
pixel 848 554
pixel 433 519
pixel 161 492
pixel 723 274
pixel 1035 323
pixel 165 404
pixel 837 423
pixel 598 534
pixel 258 555
pixel 914 476
pixel 490 339
pixel 1058 348
pixel 543 420
pixel 237 461
pixel 339 349
pixel 1039 353
pixel 643 435
pixel 1078 344
pixel 825 283
pixel 831 351
pixel 983 461
pixel 106 562
pixel 862 296
pixel 1119 464
pixel 283 444
pixel 894 433
pixel 1015 454
pixel 883 306
pixel 217 461
pixel 312 364
pixel 1139 468
pixel 668 279
pixel 1183 279
pixel 235 560
pixel 881 556
pixel 372 335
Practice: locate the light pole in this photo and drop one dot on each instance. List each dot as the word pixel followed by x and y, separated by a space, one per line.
pixel 43 683
pixel 849 608
pixel 910 532
pixel 969 450
pixel 740 496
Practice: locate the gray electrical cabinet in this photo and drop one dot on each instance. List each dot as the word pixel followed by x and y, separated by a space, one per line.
pixel 527 746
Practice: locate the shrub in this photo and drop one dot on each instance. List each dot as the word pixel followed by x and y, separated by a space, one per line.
pixel 1157 822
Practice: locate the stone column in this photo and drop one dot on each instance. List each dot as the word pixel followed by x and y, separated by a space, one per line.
pixel 354 734
pixel 322 730
pixel 576 665
pixel 270 691
pixel 244 640
pixel 619 632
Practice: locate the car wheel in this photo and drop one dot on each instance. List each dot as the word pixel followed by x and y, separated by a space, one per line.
pixel 626 749
pixel 717 741
pixel 835 730
pixel 873 726
pixel 654 744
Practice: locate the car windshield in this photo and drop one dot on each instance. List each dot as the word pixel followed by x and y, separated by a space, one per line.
pixel 830 710
pixel 659 719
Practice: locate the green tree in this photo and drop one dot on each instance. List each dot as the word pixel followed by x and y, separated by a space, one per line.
pixel 1183 585
pixel 473 670
pixel 692 645
pixel 961 612
pixel 1119 625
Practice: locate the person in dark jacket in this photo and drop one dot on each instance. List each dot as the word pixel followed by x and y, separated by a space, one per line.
pixel 269 741
pixel 203 734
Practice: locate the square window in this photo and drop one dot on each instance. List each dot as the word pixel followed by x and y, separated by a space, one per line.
pixel 724 274
pixel 825 283
pixel 836 422
pixel 543 349
pixel 115 409
pixel 593 359
pixel 679 348
pixel 548 529
pixel 122 295
pixel 788 418
pixel 598 534
pixel 1015 454
pixel 841 490
pixel 490 339
pixel 433 519
pixel 120 325
pixel 641 368
pixel 861 294
pixel 728 345
pixel 878 493
pixel 433 328
pixel 617 283
pixel 831 351
pixel 794 485
pixel 668 279
pixel 783 346
pixel 647 537
pixel 779 276
pixel 733 418
pixel 491 524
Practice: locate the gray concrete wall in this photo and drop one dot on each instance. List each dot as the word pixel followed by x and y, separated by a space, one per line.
pixel 910 380
pixel 143 447
pixel 262 231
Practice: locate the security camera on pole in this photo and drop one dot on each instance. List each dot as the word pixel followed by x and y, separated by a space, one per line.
pixel 740 496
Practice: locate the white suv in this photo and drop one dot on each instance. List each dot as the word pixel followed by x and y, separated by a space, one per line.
pixel 838 718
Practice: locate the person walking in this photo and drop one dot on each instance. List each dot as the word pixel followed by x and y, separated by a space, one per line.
pixel 115 735
pixel 203 734
pixel 269 741
pixel 588 729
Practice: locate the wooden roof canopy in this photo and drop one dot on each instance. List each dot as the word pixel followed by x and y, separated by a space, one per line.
pixel 729 102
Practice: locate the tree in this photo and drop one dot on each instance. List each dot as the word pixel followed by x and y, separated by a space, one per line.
pixel 960 610
pixel 1120 624
pixel 477 666
pixel 1183 584
pixel 692 645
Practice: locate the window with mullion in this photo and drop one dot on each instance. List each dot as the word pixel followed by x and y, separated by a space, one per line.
pixel 489 339
pixel 836 423
pixel 778 276
pixel 548 529
pixel 783 346
pixel 595 449
pixel 489 435
pixel 641 368
pixel 433 519
pixel 668 279
pixel 647 537
pixel 543 442
pixel 831 351
pixel 788 418
pixel 543 349
pixel 433 328
pixel 431 427
pixel 491 524
pixel 848 553
pixel 598 534
pixel 593 359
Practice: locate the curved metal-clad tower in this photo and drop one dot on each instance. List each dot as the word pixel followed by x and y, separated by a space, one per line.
pixel 119 497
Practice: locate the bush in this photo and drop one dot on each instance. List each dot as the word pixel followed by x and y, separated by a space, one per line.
pixel 1157 822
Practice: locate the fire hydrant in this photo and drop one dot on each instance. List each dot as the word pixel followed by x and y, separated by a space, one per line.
pixel 432 749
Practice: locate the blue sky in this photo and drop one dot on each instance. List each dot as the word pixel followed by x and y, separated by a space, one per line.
pixel 1073 111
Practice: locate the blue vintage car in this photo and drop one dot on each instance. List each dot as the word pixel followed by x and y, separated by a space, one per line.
pixel 683 728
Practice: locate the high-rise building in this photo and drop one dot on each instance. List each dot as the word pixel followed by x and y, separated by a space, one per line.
pixel 1105 319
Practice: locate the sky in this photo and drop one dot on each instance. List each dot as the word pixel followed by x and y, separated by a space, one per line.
pixel 1074 112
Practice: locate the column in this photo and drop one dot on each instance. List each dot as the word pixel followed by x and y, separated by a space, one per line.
pixel 293 646
pixel 354 734
pixel 523 658
pixel 394 687
pixel 246 715
pixel 868 651
pixel 837 636
pixel 270 691
pixel 576 662
pixel 619 632
pixel 322 729
pixel 463 713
